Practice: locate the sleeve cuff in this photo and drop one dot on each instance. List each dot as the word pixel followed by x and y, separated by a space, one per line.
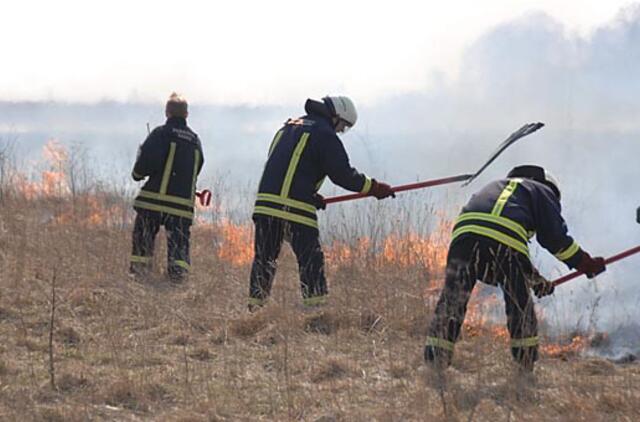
pixel 568 253
pixel 367 186
pixel 137 177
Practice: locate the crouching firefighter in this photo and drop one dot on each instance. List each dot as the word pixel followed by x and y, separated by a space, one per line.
pixel 171 157
pixel 489 243
pixel 303 152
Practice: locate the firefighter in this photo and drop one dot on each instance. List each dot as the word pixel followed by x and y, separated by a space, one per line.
pixel 303 152
pixel 489 243
pixel 171 157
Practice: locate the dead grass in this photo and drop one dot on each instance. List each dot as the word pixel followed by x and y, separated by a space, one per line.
pixel 125 351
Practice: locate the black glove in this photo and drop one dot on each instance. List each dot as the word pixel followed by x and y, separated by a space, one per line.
pixel 591 266
pixel 541 286
pixel 543 289
pixel 381 190
pixel 318 201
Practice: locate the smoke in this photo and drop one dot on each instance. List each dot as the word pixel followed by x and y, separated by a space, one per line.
pixel 586 90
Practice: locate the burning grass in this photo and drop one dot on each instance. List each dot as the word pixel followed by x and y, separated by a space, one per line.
pixel 124 351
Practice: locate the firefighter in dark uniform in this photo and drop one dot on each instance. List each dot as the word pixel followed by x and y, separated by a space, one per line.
pixel 489 243
pixel 303 152
pixel 171 157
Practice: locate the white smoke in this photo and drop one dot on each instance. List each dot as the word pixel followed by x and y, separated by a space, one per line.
pixel 586 90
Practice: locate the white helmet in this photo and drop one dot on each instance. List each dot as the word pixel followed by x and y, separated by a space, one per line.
pixel 342 108
pixel 551 180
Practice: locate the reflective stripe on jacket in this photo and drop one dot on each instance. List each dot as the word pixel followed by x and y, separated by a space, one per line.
pixel 303 152
pixel 172 158
pixel 512 211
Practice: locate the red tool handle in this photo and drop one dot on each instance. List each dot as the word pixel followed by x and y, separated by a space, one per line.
pixel 611 259
pixel 401 188
pixel 204 197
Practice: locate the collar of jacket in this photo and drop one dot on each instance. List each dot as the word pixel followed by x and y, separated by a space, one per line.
pixel 320 118
pixel 176 121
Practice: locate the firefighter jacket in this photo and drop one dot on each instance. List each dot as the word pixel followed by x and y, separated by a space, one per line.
pixel 511 211
pixel 303 152
pixel 172 158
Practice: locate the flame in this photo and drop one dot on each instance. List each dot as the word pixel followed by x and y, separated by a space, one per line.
pixel 396 249
pixel 91 209
pixel 55 153
pixel 413 250
pixel 478 319
pixel 234 243
pixel 339 253
pixel 88 208
pixel 53 181
pixel 577 344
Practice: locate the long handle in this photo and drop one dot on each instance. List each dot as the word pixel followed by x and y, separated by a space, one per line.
pixel 525 130
pixel 610 260
pixel 402 188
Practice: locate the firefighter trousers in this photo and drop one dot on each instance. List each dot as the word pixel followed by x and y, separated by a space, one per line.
pixel 145 230
pixel 305 242
pixel 471 258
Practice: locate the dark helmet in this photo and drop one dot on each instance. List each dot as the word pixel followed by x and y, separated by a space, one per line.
pixel 538 174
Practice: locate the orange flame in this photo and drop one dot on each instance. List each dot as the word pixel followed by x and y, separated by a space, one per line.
pixel 577 344
pixel 235 243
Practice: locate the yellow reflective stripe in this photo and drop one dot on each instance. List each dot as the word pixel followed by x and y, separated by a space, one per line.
pixel 256 301
pixel 136 175
pixel 196 164
pixel 293 164
pixel 168 165
pixel 314 301
pixel 441 343
pixel 168 198
pixel 525 342
pixel 504 196
pixel 183 264
pixel 502 221
pixel 367 185
pixel 493 234
pixel 286 216
pixel 140 259
pixel 319 184
pixel 275 141
pixel 287 201
pixel 163 208
pixel 567 253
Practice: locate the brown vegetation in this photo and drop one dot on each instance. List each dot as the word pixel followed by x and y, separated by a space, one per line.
pixel 128 351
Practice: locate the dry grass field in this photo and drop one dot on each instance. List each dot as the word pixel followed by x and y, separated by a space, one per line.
pixel 81 341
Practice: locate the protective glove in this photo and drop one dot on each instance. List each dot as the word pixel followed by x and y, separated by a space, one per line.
pixel 318 201
pixel 541 286
pixel 591 266
pixel 380 190
pixel 204 197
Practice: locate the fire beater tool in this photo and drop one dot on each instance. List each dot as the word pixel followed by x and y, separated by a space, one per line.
pixel 607 261
pixel 525 130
